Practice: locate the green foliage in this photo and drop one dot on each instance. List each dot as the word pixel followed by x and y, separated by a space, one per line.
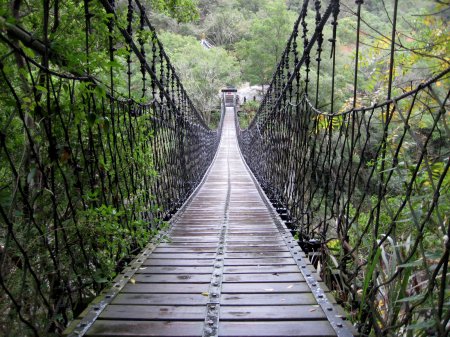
pixel 260 52
pixel 226 27
pixel 253 6
pixel 202 80
pixel 247 113
pixel 181 10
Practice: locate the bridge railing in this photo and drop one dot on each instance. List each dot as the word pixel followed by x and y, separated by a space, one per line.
pixel 365 188
pixel 99 144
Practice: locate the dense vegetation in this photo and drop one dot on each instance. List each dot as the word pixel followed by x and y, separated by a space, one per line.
pixel 250 36
pixel 365 179
pixel 97 148
pixel 82 188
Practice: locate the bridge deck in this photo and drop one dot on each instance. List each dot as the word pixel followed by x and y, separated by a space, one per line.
pixel 228 269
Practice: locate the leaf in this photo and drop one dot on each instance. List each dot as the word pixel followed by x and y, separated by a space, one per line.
pixel 40 88
pixel 27 51
pixel 113 64
pixel 5 195
pixel 132 280
pixel 101 280
pixel 369 274
pixel 411 264
pixel 100 91
pixel 412 298
pixel 205 293
pixel 422 325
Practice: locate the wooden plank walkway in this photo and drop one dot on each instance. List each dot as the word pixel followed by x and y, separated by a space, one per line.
pixel 230 268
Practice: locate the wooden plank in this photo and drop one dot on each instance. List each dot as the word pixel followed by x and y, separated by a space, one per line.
pixel 262 277
pixel 190 245
pixel 279 287
pixel 268 299
pixel 151 312
pixel 145 329
pixel 160 299
pixel 182 255
pixel 272 313
pixel 253 232
pixel 175 270
pixel 260 269
pixel 276 329
pixel 253 255
pixel 172 278
pixel 240 247
pixel 187 250
pixel 259 262
pixel 187 239
pixel 195 233
pixel 166 288
pixel 178 262
pixel 253 239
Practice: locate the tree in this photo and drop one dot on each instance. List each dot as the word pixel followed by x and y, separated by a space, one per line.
pixel 181 10
pixel 226 27
pixel 203 71
pixel 261 51
pixel 251 5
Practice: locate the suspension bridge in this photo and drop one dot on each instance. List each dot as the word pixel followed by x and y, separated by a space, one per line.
pixel 316 220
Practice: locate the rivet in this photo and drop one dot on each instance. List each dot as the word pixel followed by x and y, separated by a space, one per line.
pixel 330 309
pixel 313 284
pixel 320 296
pixel 339 325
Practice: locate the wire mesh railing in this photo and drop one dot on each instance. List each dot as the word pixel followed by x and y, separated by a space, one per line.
pixel 99 146
pixel 365 189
